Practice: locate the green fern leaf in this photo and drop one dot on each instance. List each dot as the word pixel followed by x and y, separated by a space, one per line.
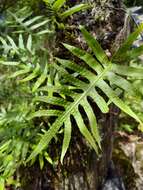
pixel 58 4
pixel 95 46
pixel 31 21
pixel 2 183
pixel 20 72
pixel 10 63
pixel 72 109
pixel 103 85
pixel 26 24
pixel 12 43
pixel 73 10
pixel 33 75
pixel 47 113
pixel 44 32
pixel 29 43
pixel 41 161
pixel 36 26
pixel 67 138
pixel 21 42
pixel 87 74
pixel 48 158
pixel 40 80
pixel 84 131
pixel 92 121
pixel 24 152
pixel 80 99
pixel 117 101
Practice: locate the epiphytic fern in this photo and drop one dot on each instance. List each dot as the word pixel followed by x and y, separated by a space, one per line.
pixel 56 6
pixel 78 83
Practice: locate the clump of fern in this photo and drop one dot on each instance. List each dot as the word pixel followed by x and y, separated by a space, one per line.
pixel 25 66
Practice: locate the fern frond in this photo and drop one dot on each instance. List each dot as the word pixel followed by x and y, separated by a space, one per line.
pixel 72 108
pixel 25 51
pixel 95 46
pixel 67 138
pixel 58 4
pixel 79 86
pixel 37 25
pixel 74 10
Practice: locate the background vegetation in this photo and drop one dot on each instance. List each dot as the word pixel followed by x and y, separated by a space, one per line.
pixel 133 2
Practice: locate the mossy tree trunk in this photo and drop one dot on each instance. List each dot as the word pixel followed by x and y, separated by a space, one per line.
pixel 82 168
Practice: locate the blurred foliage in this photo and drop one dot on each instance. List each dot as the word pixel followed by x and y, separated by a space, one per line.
pixel 29 41
pixel 131 3
pixel 134 100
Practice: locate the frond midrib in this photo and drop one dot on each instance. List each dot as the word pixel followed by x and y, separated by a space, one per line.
pixel 69 110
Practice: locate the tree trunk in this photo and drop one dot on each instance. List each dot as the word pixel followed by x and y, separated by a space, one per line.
pixel 82 168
